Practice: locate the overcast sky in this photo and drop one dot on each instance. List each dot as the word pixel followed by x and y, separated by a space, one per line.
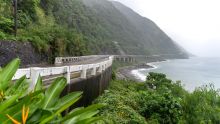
pixel 194 24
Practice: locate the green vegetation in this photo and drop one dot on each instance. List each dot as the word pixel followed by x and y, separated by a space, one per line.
pixel 159 101
pixel 79 27
pixel 39 106
pixel 54 27
pixel 37 25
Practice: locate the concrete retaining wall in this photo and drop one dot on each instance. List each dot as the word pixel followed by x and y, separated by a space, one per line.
pixel 92 87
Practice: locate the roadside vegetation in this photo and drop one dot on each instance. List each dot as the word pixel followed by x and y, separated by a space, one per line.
pixel 21 105
pixel 52 29
pixel 159 101
pixel 38 26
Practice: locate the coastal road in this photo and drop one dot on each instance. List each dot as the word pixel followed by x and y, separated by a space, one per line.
pixel 90 60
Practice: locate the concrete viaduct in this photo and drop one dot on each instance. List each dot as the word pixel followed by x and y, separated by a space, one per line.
pixel 83 65
pixel 90 74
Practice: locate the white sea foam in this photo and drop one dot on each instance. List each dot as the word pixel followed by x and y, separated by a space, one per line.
pixel 138 72
pixel 152 65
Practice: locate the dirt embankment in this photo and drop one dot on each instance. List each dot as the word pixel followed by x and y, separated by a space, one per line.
pixel 23 50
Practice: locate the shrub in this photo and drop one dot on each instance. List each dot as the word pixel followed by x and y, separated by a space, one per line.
pixel 55 40
pixel 2 35
pixel 29 8
pixel 6 25
pixel 159 101
pixel 164 108
pixel 23 19
pixel 202 106
pixel 121 106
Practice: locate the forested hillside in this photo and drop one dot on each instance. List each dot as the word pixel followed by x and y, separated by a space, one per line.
pixel 79 27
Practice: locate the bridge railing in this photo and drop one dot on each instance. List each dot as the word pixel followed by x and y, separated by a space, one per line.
pixel 62 60
pixel 67 71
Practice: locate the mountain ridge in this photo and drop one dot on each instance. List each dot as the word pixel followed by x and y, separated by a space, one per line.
pixel 148 34
pixel 84 27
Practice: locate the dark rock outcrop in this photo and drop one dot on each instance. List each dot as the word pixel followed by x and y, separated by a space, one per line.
pixel 23 50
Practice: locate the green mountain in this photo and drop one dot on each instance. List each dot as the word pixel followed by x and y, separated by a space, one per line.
pixel 134 33
pixel 79 27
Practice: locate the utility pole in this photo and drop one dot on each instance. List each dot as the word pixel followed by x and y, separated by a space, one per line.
pixel 15 5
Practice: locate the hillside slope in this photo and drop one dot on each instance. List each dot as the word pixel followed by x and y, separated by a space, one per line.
pixel 136 34
pixel 79 27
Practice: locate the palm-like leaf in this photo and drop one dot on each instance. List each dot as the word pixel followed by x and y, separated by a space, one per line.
pixel 20 86
pixel 63 104
pixel 7 73
pixel 89 120
pixel 82 114
pixel 39 84
pixel 67 101
pixel 53 92
pixel 45 106
pixel 7 103
pixel 83 118
pixel 14 110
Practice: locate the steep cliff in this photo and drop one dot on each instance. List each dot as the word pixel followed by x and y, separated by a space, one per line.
pixel 134 33
pixel 79 27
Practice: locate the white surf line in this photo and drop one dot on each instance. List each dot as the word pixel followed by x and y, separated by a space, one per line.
pixel 139 75
pixel 137 72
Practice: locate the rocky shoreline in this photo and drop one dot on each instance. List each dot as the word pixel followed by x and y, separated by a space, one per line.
pixel 124 73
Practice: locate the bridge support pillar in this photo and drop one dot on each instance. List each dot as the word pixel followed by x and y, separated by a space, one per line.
pixel 35 73
pixel 83 73
pixel 100 69
pixel 93 73
pixel 67 75
pixel 103 67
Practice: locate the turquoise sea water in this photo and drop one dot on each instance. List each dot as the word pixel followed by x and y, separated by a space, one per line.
pixel 193 72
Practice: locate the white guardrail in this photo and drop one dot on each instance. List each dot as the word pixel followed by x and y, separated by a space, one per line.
pixel 35 72
pixel 62 60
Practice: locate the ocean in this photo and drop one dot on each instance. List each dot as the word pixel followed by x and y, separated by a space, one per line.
pixel 193 72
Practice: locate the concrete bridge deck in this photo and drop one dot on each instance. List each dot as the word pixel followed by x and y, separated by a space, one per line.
pixel 76 67
pixel 90 74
